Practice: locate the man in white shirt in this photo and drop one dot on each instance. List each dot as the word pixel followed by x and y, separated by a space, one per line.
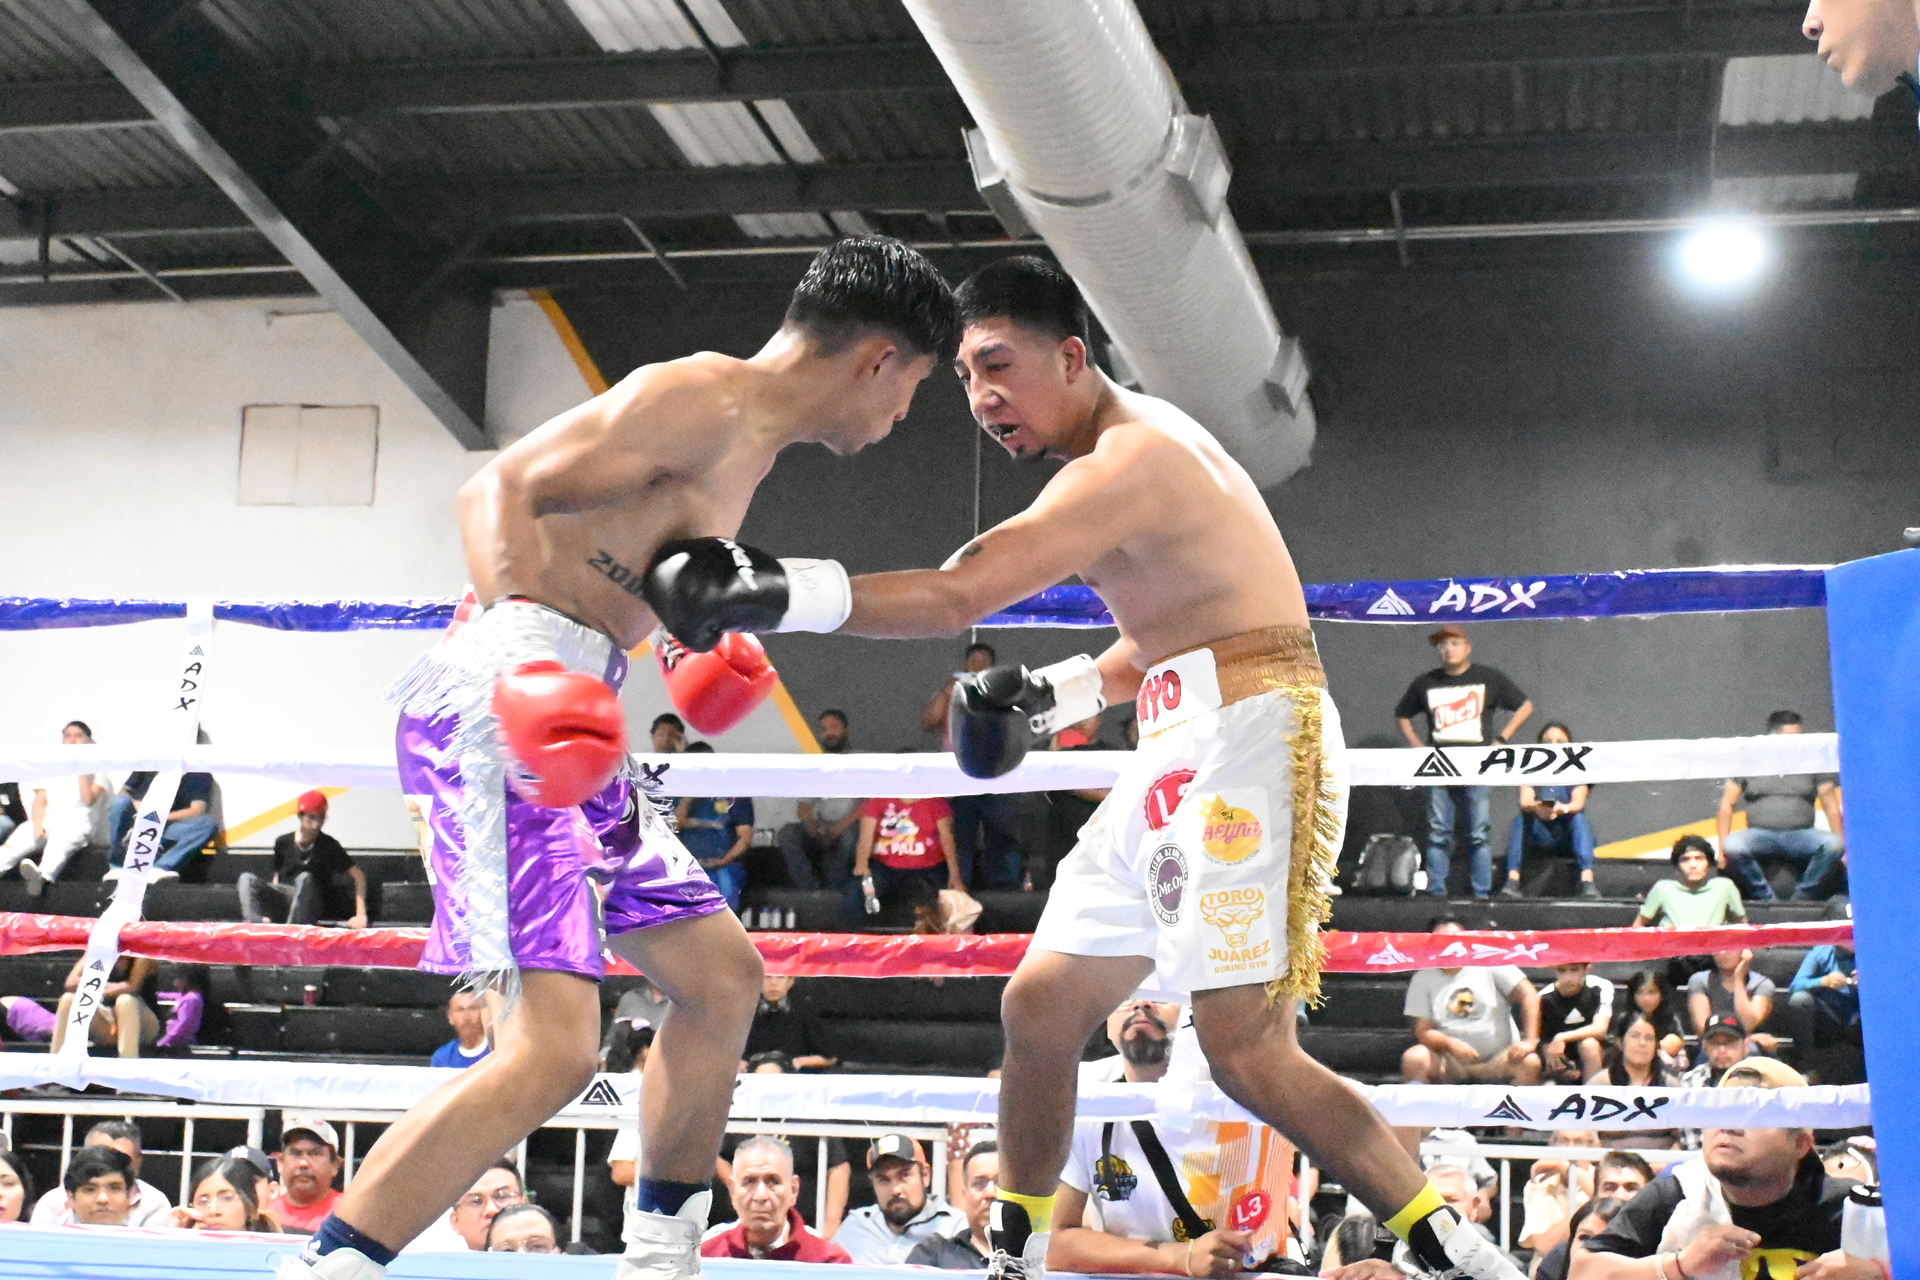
pixel 147 1205
pixel 907 1212
pixel 65 814
pixel 1143 1031
pixel 1463 1024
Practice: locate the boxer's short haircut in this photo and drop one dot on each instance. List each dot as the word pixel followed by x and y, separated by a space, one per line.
pixel 1030 292
pixel 875 282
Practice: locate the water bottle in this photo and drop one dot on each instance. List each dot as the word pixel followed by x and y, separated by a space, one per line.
pixel 871 897
pixel 1863 1224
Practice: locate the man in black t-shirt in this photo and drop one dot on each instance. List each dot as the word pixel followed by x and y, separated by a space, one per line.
pixel 1458 698
pixel 786 1025
pixel 306 861
pixel 1574 1016
pixel 190 827
pixel 1775 1210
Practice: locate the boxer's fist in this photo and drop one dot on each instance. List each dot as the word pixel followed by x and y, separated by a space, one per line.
pixel 564 731
pixel 995 716
pixel 716 690
pixel 702 588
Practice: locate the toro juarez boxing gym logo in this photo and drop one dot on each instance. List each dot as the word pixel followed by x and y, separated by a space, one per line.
pixel 1229 834
pixel 1167 882
pixel 1233 912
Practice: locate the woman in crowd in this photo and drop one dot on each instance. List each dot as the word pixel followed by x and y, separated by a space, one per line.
pixel 1552 818
pixel 16 1187
pixel 226 1196
pixel 1633 1055
pixel 188 1010
pixel 1590 1220
pixel 1653 997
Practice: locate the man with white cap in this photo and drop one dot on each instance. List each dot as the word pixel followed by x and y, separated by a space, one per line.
pixel 309 1159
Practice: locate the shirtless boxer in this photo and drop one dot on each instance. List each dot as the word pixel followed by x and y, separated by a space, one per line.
pixel 1205 869
pixel 511 737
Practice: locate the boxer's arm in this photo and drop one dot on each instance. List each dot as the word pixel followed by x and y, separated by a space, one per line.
pixel 1120 671
pixel 1089 509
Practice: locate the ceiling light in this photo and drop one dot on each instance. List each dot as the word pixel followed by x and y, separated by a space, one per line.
pixel 1721 255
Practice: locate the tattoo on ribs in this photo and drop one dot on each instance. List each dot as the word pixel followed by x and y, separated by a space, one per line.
pixel 628 580
pixel 969 551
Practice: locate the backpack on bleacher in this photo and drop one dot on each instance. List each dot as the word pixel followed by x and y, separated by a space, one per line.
pixel 1387 864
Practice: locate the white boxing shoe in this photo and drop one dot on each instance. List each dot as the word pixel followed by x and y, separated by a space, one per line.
pixel 341 1264
pixel 1007 1225
pixel 1468 1254
pixel 664 1246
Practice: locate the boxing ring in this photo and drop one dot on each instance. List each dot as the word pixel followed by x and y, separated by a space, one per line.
pixel 1874 633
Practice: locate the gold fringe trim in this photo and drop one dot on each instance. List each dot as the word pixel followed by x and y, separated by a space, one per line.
pixel 1315 853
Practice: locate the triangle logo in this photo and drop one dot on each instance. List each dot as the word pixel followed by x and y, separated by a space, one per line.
pixel 1508 1110
pixel 1390 605
pixel 1436 765
pixel 601 1094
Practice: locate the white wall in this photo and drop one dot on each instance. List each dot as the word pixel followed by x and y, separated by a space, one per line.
pixel 118 477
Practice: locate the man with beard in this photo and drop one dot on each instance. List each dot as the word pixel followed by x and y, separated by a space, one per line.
pixel 1142 1030
pixel 818 849
pixel 906 1210
pixel 1757 1203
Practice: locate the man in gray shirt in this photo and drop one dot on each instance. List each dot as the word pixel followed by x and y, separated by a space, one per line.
pixel 819 847
pixel 1780 821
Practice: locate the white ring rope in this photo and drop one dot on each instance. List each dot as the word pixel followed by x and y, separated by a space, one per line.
pixel 769 774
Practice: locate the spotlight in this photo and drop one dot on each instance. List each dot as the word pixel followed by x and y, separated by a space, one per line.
pixel 1721 254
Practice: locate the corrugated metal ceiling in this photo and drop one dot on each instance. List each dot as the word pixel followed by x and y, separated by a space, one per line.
pixel 1787 90
pixel 561 140
pixel 130 157
pixel 292 32
pixel 32 48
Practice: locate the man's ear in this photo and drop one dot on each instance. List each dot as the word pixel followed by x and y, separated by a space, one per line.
pixel 871 355
pixel 1074 353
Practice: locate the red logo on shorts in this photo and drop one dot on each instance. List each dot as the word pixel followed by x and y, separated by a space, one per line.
pixel 1157 693
pixel 1164 796
pixel 1249 1211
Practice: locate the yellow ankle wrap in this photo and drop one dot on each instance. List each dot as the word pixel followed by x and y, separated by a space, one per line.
pixel 1417 1208
pixel 1039 1208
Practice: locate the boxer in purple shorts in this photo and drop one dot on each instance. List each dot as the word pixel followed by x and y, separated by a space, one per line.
pixel 511 740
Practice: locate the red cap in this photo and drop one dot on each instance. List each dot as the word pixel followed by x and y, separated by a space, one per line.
pixel 1446 631
pixel 311 802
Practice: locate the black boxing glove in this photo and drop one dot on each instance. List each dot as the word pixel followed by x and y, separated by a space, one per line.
pixel 702 588
pixel 995 716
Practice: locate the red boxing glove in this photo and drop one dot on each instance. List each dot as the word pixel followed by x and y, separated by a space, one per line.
pixel 716 690
pixel 565 731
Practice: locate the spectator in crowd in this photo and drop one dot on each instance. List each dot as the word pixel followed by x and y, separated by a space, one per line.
pixel 306 861
pixel 1723 1042
pixel 1458 698
pixel 627 1048
pixel 225 1196
pixel 765 1191
pixel 146 1205
pixel 1732 987
pixel 1350 1250
pixel 839 1175
pixel 187 1010
pixel 1551 818
pixel 1780 822
pixel 818 849
pixel 1633 1055
pixel 523 1228
pixel 16 1187
pixel 1576 1013
pixel 718 831
pixel 985 828
pixel 1856 1158
pixel 98 1183
pixel 1555 1185
pixel 498 1187
pixel 641 1005
pixel 467 1015
pixel 1756 1200
pixel 309 1160
pixel 1621 1175
pixel 12 811
pixel 65 815
pixel 1143 1031
pixel 669 734
pixel 1590 1219
pixel 1066 811
pixel 627 1052
pixel 1463 1023
pixel 905 1211
pixel 1648 992
pixel 190 824
pixel 1823 1001
pixel 129 1015
pixel 966 1249
pixel 785 1025
pixel 27 1018
pixel 1698 899
pixel 903 840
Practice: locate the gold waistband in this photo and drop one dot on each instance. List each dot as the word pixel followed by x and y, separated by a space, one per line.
pixel 1256 662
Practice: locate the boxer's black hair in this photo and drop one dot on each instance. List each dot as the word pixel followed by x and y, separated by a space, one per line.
pixel 875 282
pixel 1028 291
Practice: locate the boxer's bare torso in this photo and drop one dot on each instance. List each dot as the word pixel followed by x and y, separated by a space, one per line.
pixel 571 515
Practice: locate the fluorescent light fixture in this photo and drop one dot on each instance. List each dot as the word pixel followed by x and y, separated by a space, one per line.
pixel 1720 255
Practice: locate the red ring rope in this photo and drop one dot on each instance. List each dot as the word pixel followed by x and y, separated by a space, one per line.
pixel 866 955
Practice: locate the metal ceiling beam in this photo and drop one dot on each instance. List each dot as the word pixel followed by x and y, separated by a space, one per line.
pixel 67 104
pixel 426 318
pixel 125 213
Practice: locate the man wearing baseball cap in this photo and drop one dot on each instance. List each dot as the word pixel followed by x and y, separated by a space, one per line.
pixel 884 1233
pixel 1757 1203
pixel 1723 1042
pixel 309 1159
pixel 1458 698
pixel 306 861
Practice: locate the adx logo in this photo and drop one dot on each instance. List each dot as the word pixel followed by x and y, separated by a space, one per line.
pixel 1526 761
pixel 601 1094
pixel 1508 1110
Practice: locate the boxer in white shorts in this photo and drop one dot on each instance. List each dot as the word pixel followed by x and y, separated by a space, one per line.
pixel 1205 870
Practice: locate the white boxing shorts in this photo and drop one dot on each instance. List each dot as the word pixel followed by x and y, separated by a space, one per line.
pixel 1213 852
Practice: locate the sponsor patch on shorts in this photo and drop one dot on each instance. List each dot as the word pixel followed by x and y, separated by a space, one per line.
pixel 1167 882
pixel 1240 916
pixel 1233 824
pixel 1164 796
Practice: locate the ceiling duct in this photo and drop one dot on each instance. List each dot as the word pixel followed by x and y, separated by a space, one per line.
pixel 1085 140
